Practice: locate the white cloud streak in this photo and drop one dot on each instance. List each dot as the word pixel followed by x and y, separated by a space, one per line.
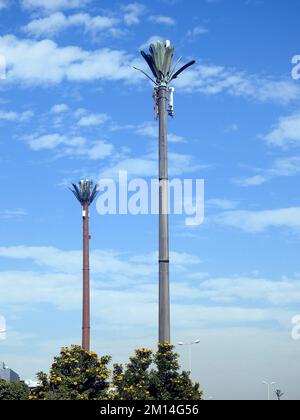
pixel 92 120
pixel 51 5
pixel 133 13
pixel 13 116
pixel 47 63
pixel 4 4
pixel 260 221
pixel 57 22
pixel 147 166
pixel 44 62
pixel 162 20
pixel 149 129
pixel 286 132
pixel 60 285
pixel 213 80
pixel 13 214
pixel 196 32
pixel 75 147
pixel 59 108
pixel 282 167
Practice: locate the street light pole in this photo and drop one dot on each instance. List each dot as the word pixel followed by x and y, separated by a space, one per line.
pixel 163 72
pixel 189 345
pixel 85 192
pixel 269 388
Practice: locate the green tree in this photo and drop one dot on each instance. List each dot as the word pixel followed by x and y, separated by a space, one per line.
pixel 75 375
pixel 133 383
pixel 13 391
pixel 168 383
pixel 165 382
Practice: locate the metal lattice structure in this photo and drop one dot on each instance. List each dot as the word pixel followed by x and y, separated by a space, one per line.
pixel 163 72
pixel 85 192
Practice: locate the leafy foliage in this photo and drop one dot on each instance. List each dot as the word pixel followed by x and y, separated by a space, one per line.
pixel 13 391
pixel 134 382
pixel 137 382
pixel 80 375
pixel 75 375
pixel 85 192
pixel 160 63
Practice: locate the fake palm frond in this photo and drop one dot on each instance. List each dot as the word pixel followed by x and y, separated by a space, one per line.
pixel 85 192
pixel 160 62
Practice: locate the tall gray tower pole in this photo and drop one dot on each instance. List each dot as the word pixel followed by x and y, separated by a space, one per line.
pixel 164 261
pixel 160 62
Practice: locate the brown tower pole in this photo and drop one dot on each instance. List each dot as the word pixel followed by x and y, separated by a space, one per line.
pixel 85 192
pixel 86 281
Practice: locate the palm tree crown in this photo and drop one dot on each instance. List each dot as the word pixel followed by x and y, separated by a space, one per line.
pixel 160 62
pixel 85 192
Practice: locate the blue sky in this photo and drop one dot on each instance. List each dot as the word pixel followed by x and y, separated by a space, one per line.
pixel 71 106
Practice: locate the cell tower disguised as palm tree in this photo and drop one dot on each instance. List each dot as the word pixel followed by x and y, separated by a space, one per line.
pixel 85 192
pixel 160 62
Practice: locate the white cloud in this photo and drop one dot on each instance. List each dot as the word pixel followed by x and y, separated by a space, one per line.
pixel 4 4
pixel 232 128
pixel 163 20
pixel 97 150
pixel 58 22
pixel 43 62
pixel 197 31
pixel 147 166
pixel 127 283
pixel 12 116
pixel 231 313
pixel 220 203
pixel 50 5
pixel 282 167
pixel 213 80
pixel 149 129
pixel 135 269
pixel 133 13
pixel 12 214
pixel 282 292
pixel 76 147
pixel 180 260
pixel 59 108
pixel 286 133
pixel 259 221
pixel 251 181
pixel 138 269
pixel 139 166
pixel 52 141
pixel 92 120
